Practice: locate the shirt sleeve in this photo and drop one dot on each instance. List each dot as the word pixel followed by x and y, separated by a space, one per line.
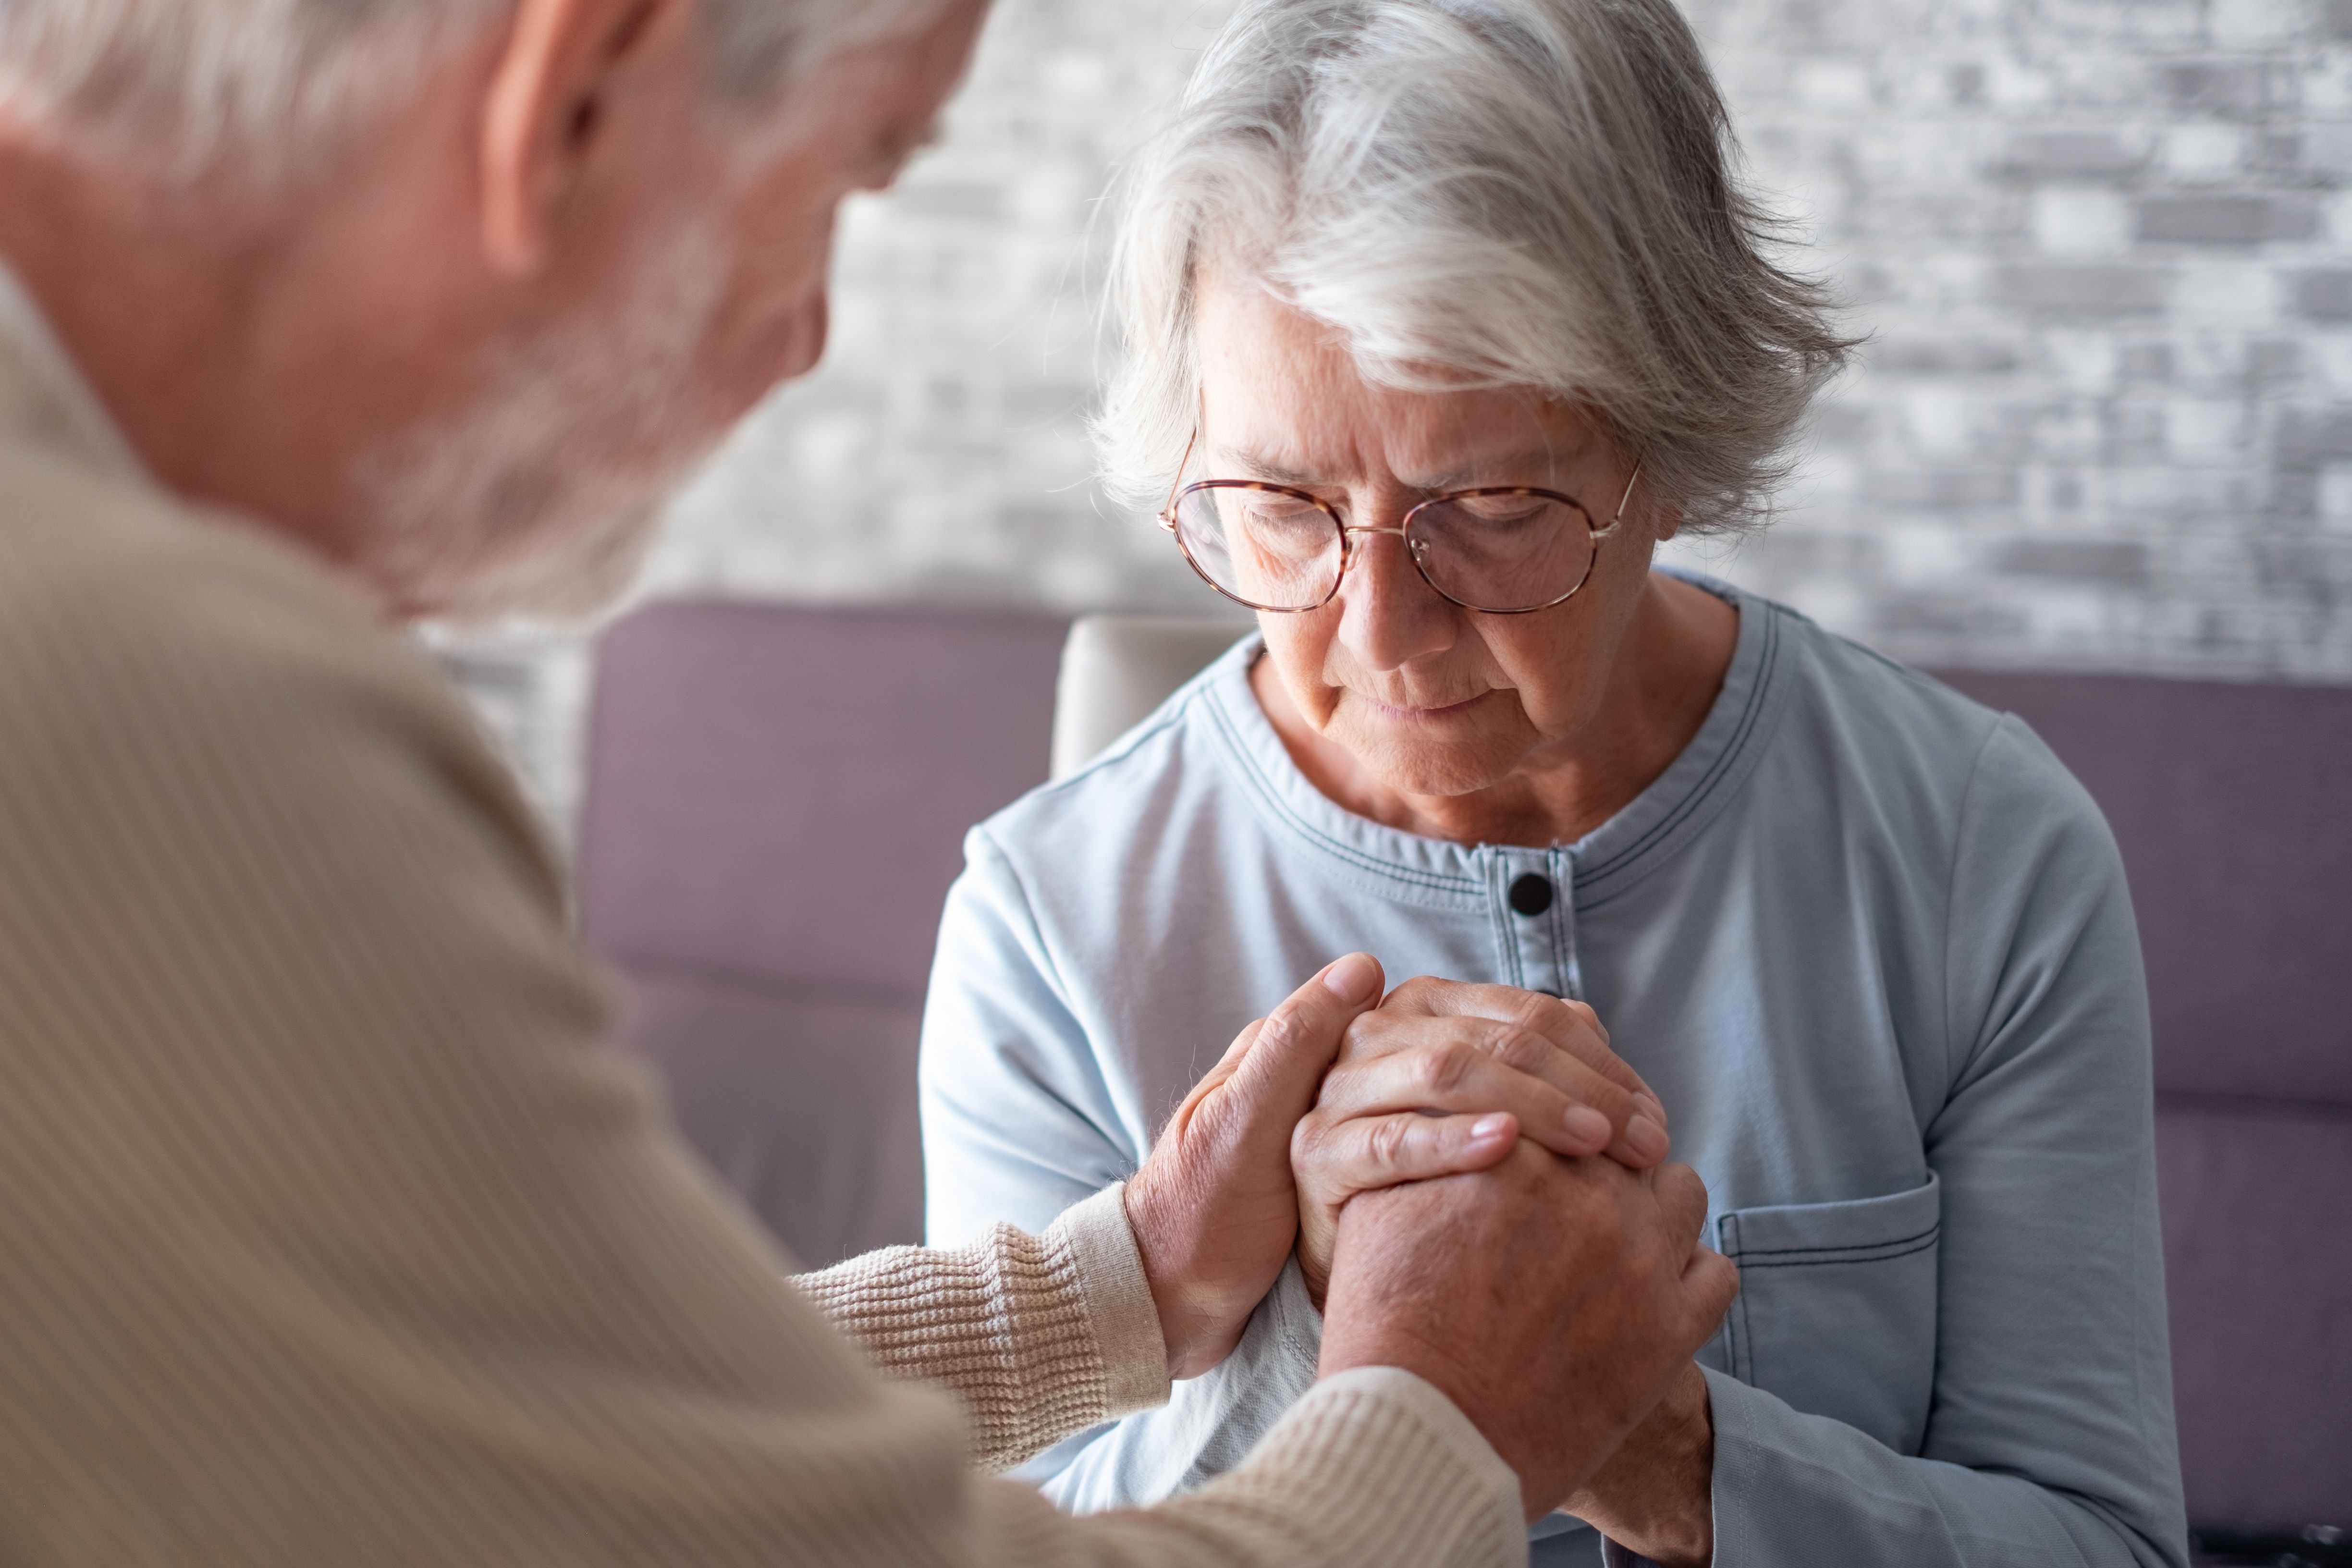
pixel 335 1233
pixel 2050 1436
pixel 1020 1120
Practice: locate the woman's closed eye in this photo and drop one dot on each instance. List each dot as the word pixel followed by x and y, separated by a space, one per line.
pixel 1274 520
pixel 1500 514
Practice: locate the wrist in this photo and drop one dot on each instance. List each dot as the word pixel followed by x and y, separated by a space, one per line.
pixel 1190 1332
pixel 1656 1494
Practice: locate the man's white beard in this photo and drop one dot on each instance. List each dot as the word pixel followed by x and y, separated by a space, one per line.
pixel 543 498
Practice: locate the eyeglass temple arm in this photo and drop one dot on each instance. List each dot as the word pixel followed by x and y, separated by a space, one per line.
pixel 1168 512
pixel 1631 480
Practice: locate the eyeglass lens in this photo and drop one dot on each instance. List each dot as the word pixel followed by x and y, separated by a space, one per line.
pixel 1280 552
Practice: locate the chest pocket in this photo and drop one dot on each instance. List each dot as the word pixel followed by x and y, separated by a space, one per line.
pixel 1836 1311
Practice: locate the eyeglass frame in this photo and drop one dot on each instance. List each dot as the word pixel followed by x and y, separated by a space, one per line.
pixel 1348 532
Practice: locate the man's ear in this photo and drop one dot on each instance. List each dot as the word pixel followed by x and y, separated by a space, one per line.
pixel 544 115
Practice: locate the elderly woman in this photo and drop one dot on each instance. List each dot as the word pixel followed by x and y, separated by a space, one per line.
pixel 1441 315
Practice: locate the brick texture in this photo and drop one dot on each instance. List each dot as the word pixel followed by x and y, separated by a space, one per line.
pixel 2103 249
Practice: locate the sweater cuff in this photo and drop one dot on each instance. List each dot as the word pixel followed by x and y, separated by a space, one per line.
pixel 1386 1450
pixel 1117 1298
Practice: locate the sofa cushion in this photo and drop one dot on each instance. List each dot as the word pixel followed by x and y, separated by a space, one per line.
pixel 804 1105
pixel 2259 1282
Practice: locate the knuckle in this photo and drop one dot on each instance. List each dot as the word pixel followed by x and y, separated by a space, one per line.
pixel 1416 991
pixel 1307 1139
pixel 1389 1141
pixel 1279 1026
pixel 1533 1009
pixel 1443 1068
pixel 1517 1048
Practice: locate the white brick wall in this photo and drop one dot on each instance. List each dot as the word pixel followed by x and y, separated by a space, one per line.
pixel 2103 248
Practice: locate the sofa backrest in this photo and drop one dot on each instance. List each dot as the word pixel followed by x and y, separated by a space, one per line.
pixel 776 802
pixel 779 793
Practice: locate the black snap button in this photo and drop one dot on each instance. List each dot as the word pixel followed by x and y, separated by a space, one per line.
pixel 1531 895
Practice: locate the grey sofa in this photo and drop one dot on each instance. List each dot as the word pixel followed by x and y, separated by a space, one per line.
pixel 776 797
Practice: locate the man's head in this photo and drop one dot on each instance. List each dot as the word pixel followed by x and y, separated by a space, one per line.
pixel 450 290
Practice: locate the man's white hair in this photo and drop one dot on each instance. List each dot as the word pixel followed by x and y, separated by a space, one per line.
pixel 186 86
pixel 1534 194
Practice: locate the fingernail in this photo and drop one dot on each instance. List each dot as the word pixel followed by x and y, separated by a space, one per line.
pixel 1486 1126
pixel 1657 1107
pixel 1587 1124
pixel 1646 1138
pixel 1353 979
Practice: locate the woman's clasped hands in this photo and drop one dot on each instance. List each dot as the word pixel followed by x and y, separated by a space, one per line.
pixel 1441 1079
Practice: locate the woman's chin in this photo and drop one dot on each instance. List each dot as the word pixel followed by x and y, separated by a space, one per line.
pixel 1429 767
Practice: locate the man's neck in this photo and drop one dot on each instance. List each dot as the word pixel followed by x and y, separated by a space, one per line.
pixel 27 325
pixel 234 337
pixel 142 306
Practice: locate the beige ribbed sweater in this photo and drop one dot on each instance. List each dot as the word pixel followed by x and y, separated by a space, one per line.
pixel 330 1234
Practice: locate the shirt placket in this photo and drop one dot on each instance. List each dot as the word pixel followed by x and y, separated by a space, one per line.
pixel 1533 897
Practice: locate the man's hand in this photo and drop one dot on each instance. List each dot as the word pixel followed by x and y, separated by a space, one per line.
pixel 1555 1301
pixel 1444 1078
pixel 1215 1209
pixel 1656 1494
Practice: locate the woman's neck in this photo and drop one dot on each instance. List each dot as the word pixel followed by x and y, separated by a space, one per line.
pixel 1663 684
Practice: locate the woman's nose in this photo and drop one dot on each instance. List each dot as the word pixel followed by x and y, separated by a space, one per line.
pixel 1390 615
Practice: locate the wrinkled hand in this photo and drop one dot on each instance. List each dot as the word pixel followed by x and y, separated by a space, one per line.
pixel 1215 1209
pixel 1443 1078
pixel 1655 1495
pixel 1555 1301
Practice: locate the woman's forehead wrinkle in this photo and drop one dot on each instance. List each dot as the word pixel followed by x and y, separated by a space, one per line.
pixel 1532 465
pixel 1250 463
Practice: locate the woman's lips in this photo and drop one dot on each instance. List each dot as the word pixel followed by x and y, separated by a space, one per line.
pixel 1394 715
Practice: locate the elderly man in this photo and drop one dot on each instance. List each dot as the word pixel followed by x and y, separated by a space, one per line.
pixel 331 1233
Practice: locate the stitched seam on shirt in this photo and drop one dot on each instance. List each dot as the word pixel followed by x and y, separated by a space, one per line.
pixel 1734 753
pixel 1724 760
pixel 1434 882
pixel 1563 889
pixel 1851 1246
pixel 1840 1262
pixel 1746 1334
pixel 1958 1071
pixel 1507 946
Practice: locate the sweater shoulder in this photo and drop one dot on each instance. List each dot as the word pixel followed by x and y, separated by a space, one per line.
pixel 99 565
pixel 160 657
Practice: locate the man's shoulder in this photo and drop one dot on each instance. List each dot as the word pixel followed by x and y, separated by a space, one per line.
pixel 110 584
pixel 154 650
pixel 92 556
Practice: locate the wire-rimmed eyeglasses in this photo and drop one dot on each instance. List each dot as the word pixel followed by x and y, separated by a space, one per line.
pixel 1501 550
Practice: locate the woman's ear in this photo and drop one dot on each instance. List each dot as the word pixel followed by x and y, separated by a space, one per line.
pixel 546 115
pixel 1669 521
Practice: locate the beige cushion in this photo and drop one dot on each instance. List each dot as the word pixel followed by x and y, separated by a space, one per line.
pixel 1116 669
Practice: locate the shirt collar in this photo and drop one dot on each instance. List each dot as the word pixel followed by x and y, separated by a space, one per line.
pixel 1654 826
pixel 21 319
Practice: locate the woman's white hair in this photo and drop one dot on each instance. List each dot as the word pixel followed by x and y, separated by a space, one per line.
pixel 187 86
pixel 1533 193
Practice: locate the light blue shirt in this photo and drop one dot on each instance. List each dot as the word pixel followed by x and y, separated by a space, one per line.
pixel 1868 940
